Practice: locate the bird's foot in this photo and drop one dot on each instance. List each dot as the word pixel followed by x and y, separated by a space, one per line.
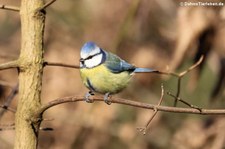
pixel 87 95
pixel 106 99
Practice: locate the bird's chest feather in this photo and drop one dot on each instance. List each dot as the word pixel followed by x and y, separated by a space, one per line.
pixel 102 80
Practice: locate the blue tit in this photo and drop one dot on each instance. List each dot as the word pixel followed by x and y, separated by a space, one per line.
pixel 103 72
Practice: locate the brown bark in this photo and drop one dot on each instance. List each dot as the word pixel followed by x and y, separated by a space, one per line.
pixel 30 74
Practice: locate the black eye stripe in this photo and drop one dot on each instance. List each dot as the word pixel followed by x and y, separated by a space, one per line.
pixel 82 60
pixel 91 56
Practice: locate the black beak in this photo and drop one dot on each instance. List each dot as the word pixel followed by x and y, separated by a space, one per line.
pixel 82 61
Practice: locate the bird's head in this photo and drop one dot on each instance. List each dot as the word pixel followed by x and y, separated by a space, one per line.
pixel 91 55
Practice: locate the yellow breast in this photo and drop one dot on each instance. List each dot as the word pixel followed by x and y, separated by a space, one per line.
pixel 103 80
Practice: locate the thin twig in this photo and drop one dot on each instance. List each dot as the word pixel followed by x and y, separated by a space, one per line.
pixel 47 4
pixel 184 102
pixel 46 129
pixel 178 91
pixel 9 65
pixel 8 101
pixel 47 119
pixel 61 65
pixel 183 72
pixel 192 67
pixel 155 111
pixel 7 127
pixel 6 84
pixel 181 75
pixel 12 8
pixel 7 108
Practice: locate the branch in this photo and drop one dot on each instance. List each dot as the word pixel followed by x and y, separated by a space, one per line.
pixel 7 127
pixel 9 65
pixel 184 102
pixel 6 84
pixel 47 4
pixel 192 67
pixel 130 103
pixel 46 129
pixel 180 75
pixel 61 65
pixel 155 111
pixel 8 101
pixel 12 8
pixel 4 127
pixel 7 108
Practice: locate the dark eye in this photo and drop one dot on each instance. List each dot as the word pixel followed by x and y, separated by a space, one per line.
pixel 90 57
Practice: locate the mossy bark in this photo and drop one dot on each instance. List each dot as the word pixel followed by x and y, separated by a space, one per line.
pixel 30 74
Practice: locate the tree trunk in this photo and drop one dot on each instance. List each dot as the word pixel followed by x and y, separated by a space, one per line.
pixel 30 74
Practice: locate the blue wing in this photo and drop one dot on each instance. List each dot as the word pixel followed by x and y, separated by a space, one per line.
pixel 117 65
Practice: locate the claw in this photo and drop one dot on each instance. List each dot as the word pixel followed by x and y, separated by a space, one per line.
pixel 87 95
pixel 106 99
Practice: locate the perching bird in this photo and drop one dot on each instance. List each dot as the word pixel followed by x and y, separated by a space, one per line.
pixel 103 72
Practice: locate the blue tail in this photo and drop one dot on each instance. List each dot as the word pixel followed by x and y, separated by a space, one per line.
pixel 139 70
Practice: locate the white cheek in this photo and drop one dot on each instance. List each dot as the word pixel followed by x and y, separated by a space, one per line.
pixel 94 61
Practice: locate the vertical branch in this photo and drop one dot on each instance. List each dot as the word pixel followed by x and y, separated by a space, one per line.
pixel 178 91
pixel 30 73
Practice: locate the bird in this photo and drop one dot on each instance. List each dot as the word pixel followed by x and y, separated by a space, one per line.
pixel 105 73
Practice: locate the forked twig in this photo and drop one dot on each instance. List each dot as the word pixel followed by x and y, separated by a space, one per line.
pixel 47 5
pixel 177 98
pixel 180 75
pixel 155 111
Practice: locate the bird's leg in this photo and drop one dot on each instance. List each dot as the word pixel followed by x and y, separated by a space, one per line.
pixel 87 95
pixel 106 98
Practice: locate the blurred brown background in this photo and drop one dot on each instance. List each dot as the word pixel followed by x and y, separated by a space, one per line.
pixel 148 33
